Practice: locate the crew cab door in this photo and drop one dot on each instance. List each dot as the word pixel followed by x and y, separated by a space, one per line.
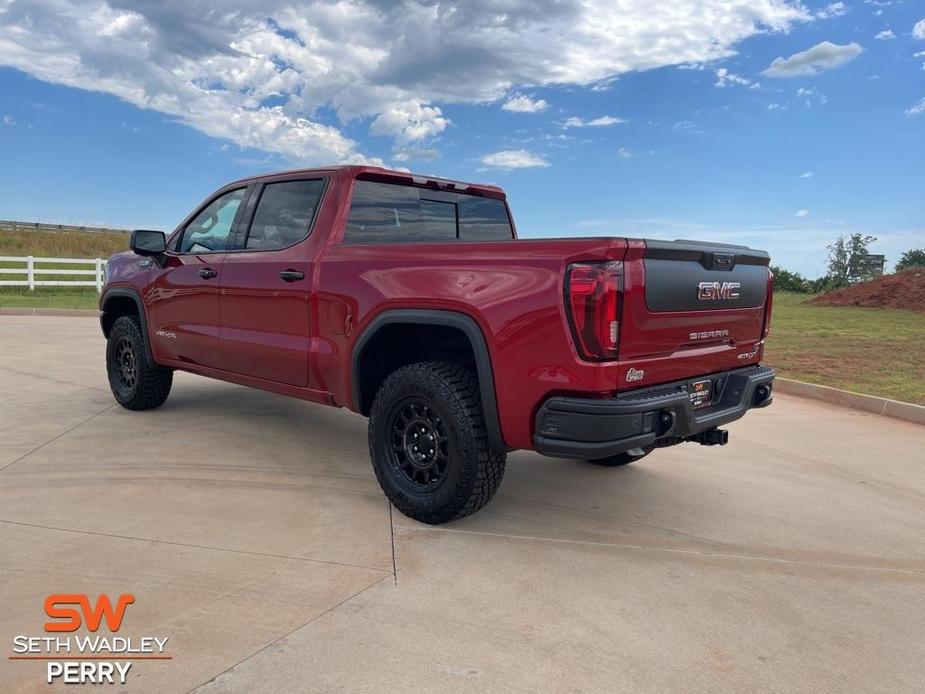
pixel 267 284
pixel 183 298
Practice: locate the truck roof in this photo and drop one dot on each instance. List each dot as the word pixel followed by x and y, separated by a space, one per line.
pixel 381 173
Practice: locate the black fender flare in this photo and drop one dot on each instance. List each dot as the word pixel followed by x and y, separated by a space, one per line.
pixel 452 319
pixel 126 292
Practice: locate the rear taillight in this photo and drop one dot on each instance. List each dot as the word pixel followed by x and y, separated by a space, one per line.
pixel 766 327
pixel 592 297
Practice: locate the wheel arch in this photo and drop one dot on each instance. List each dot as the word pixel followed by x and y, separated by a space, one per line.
pixel 124 301
pixel 436 318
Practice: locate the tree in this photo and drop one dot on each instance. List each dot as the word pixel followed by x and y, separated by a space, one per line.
pixel 821 285
pixel 786 281
pixel 845 258
pixel 911 258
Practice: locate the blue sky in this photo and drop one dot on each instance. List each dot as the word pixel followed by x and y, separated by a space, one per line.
pixel 776 124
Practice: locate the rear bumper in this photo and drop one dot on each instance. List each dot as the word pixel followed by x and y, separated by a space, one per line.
pixel 658 415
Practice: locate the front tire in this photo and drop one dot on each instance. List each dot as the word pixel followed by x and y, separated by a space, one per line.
pixel 135 384
pixel 428 444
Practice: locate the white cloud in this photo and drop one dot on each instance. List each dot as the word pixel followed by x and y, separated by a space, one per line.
pixel 724 78
pixel 885 35
pixel 917 109
pixel 524 104
pixel 287 77
pixel 687 126
pixel 918 31
pixel 822 56
pixel 8 120
pixel 806 174
pixel 514 159
pixel 625 153
pixel 835 9
pixel 802 213
pixel 576 122
pixel 409 122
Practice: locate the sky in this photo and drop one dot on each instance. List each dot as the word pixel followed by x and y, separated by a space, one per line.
pixel 774 123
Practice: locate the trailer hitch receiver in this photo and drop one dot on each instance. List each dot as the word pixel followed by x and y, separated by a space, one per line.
pixel 712 437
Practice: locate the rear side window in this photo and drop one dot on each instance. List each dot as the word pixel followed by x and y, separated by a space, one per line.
pixel 284 214
pixel 389 213
pixel 483 219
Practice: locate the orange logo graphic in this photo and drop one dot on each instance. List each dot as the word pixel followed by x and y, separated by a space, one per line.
pixel 60 607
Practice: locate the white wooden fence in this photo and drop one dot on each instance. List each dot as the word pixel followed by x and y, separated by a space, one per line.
pixel 34 272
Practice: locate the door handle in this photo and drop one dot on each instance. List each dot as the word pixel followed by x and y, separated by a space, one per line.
pixel 291 275
pixel 207 273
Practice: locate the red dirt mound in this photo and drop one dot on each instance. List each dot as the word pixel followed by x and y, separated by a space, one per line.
pixel 905 289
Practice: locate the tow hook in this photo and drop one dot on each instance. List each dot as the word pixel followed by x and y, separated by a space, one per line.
pixel 712 437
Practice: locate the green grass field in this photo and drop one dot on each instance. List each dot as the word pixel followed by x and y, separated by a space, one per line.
pixel 48 297
pixel 865 350
pixel 62 244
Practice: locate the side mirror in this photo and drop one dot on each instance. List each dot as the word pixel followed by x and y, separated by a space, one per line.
pixel 145 242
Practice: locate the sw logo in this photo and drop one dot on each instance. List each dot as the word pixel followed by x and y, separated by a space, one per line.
pixel 718 291
pixel 88 658
pixel 57 607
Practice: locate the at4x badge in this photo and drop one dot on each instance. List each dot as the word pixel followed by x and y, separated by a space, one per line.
pixel 745 356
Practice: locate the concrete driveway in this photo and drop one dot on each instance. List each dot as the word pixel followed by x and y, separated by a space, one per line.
pixel 252 533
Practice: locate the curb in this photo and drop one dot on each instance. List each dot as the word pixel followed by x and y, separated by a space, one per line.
pixel 85 312
pixel 858 401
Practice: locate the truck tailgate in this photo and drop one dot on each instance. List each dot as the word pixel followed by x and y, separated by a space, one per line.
pixel 687 297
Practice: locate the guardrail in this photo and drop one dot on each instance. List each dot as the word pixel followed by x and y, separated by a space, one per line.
pixel 32 272
pixel 13 225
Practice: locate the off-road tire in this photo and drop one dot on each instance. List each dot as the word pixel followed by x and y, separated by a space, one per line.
pixel 448 400
pixel 135 384
pixel 620 459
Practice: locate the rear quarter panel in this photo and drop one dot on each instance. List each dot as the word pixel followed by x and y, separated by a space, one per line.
pixel 512 289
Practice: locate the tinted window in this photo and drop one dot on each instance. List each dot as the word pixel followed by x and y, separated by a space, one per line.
pixel 211 230
pixel 438 220
pixel 483 219
pixel 388 213
pixel 284 214
pixel 381 212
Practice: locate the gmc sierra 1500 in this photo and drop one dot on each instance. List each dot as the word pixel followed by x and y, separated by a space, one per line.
pixel 409 299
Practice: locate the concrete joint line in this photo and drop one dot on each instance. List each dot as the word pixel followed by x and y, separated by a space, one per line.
pixel 290 633
pixel 172 543
pixel 52 440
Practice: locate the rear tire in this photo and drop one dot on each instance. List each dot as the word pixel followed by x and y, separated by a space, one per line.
pixel 428 444
pixel 135 384
pixel 620 459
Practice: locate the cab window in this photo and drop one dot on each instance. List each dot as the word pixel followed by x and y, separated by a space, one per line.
pixel 392 213
pixel 284 214
pixel 212 229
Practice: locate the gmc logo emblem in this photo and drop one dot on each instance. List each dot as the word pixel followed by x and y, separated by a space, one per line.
pixel 717 291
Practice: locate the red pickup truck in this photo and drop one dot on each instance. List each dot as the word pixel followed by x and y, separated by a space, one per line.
pixel 410 300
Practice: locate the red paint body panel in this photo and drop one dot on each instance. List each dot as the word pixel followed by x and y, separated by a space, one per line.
pixel 184 305
pixel 249 327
